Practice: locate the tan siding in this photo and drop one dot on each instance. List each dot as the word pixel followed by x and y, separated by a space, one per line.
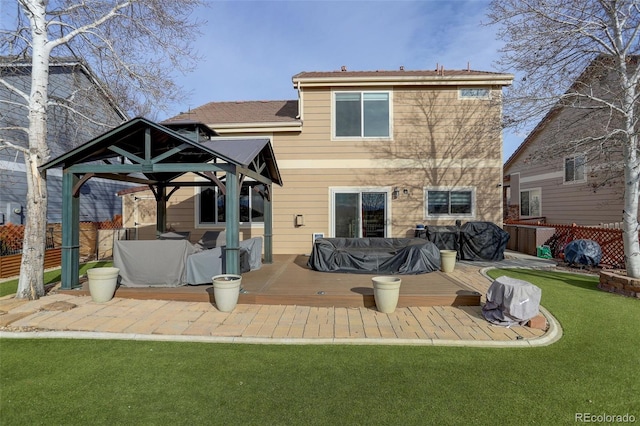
pixel 434 125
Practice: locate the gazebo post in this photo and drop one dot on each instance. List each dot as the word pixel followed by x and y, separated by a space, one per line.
pixel 268 226
pixel 70 232
pixel 232 212
pixel 161 210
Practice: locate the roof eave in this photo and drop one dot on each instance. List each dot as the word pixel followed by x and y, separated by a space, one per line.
pixel 446 80
pixel 257 127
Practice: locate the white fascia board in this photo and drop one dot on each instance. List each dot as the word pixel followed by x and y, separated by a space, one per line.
pixel 256 127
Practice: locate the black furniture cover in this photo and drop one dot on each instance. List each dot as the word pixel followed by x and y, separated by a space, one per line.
pixel 444 237
pixel 482 241
pixel 584 252
pixel 374 255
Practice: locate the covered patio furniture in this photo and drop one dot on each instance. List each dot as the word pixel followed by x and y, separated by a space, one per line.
pixel 374 255
pixel 174 235
pixel 482 241
pixel 511 301
pixel 203 266
pixel 148 263
pixel 211 239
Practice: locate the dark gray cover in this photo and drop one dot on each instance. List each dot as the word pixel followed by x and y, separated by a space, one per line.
pixel 482 241
pixel 511 301
pixel 584 252
pixel 444 237
pixel 374 255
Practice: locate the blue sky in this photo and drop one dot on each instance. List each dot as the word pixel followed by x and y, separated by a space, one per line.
pixel 251 49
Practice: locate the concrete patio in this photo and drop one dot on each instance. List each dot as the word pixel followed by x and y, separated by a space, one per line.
pixel 69 316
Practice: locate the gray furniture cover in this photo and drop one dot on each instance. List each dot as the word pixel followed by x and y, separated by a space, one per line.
pixel 146 263
pixel 374 255
pixel 511 301
pixel 203 266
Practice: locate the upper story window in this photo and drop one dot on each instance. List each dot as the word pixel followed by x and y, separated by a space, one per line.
pixel 574 168
pixel 474 93
pixel 362 114
pixel 458 202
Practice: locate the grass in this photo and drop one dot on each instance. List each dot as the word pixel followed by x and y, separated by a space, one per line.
pixel 592 369
pixel 50 277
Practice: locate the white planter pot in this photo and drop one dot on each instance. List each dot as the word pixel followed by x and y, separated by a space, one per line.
pixel 102 283
pixel 448 260
pixel 226 289
pixel 386 291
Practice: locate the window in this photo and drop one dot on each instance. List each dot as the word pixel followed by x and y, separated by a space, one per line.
pixel 574 168
pixel 362 114
pixel 474 93
pixel 455 203
pixel 530 203
pixel 211 205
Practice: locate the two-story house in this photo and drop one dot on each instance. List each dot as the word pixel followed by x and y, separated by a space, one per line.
pixel 361 154
pixel 81 109
pixel 569 168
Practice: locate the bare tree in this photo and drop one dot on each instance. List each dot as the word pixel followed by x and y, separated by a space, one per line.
pixel 134 46
pixel 580 56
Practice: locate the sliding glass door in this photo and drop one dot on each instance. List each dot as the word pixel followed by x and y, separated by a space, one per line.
pixel 359 214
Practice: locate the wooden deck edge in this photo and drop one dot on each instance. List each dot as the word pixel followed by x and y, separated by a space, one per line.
pixel 342 301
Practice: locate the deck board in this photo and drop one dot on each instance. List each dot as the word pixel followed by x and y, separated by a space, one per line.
pixel 288 281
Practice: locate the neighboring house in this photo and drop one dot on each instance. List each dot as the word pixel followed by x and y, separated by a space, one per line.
pixel 73 84
pixel 549 177
pixel 361 154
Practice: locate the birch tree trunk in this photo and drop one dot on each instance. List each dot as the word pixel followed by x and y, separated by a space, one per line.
pixel 31 281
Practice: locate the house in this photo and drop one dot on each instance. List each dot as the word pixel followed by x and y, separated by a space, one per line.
pixel 551 177
pixel 73 84
pixel 361 154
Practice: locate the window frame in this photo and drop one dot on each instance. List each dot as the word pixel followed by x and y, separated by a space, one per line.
pixel 334 101
pixel 539 191
pixel 584 168
pixel 471 98
pixel 449 215
pixel 207 225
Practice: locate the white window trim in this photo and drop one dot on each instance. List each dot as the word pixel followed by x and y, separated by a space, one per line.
pixel 473 98
pixel 520 200
pixel 564 169
pixel 336 189
pixel 358 138
pixel 425 200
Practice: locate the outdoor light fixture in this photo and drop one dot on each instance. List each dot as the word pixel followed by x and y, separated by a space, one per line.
pixel 395 193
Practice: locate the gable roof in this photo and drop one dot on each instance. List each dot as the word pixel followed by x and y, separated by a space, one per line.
pixel 557 107
pixel 157 152
pixel 22 66
pixel 214 113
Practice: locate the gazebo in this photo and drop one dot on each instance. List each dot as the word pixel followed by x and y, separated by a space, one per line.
pixel 148 153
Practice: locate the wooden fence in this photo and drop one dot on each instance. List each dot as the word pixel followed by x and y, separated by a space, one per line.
pixel 96 242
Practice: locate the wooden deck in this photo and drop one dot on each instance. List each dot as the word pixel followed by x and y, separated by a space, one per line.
pixel 288 281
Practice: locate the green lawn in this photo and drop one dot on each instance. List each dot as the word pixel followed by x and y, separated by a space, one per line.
pixel 50 277
pixel 593 369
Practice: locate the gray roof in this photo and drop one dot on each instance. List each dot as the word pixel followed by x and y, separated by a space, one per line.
pixel 176 147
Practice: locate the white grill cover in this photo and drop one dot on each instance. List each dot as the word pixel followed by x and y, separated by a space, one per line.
pixel 511 301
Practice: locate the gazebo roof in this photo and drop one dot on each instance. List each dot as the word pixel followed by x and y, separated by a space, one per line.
pixel 163 152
